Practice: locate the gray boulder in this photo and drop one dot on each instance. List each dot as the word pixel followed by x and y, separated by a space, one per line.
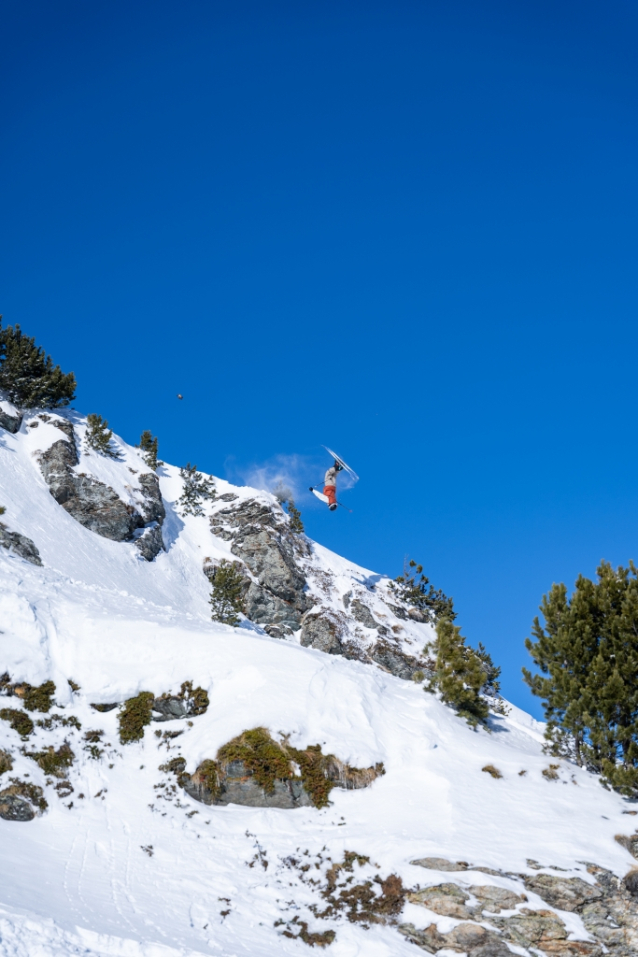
pixel 14 808
pixel 446 900
pixel 566 893
pixel 237 785
pixel 363 614
pixel 439 864
pixel 10 422
pixel 170 707
pixel 323 630
pixel 150 543
pixel 19 545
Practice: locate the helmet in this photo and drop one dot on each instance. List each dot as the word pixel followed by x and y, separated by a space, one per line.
pixel 339 466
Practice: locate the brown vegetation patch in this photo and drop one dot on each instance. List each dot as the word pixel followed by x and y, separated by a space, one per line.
pixel 18 720
pixel 134 716
pixel 34 697
pixel 54 762
pixel 490 769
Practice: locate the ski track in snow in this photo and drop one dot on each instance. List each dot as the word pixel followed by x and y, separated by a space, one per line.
pixel 77 881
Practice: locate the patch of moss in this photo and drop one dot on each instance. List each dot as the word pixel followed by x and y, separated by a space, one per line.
pixel 35 697
pixel 197 696
pixel 31 792
pixel 18 720
pixel 54 762
pixel 174 766
pixel 312 766
pixel 313 939
pixel 6 762
pixel 94 740
pixel 134 716
pixel 267 760
pixel 39 698
pixel 208 775
pixel 59 720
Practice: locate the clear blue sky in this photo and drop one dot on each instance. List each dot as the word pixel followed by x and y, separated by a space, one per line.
pixel 407 230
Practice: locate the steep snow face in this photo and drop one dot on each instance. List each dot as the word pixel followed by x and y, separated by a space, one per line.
pixel 126 863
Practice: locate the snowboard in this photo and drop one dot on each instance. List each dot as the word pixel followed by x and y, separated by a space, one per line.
pixel 351 472
pixel 325 499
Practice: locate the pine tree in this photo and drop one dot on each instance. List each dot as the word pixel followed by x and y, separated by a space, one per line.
pixel 296 524
pixel 149 447
pixel 197 489
pixel 27 374
pixel 491 685
pixel 414 591
pixel 226 596
pixel 459 673
pixel 587 655
pixel 98 436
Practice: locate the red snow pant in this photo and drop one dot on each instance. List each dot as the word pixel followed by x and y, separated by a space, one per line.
pixel 331 492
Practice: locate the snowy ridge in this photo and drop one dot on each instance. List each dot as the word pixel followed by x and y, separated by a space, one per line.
pixel 123 866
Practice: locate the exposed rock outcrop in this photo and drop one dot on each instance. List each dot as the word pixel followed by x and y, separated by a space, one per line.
pixel 363 614
pixel 324 631
pixel 399 664
pixel 15 808
pixel 21 801
pixel 189 702
pixel 10 422
pixel 275 592
pixel 257 771
pixel 152 506
pixel 19 545
pixel 607 908
pixel 95 505
pixel 150 543
pixel 237 785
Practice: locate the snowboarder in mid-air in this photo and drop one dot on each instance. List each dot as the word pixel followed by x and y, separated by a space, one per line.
pixel 330 485
pixel 329 494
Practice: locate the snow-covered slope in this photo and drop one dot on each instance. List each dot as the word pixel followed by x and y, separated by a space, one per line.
pixel 127 864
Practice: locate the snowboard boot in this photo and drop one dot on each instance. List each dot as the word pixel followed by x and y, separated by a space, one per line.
pixel 333 507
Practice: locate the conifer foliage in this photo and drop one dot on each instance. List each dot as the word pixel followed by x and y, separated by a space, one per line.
pixel 148 446
pixel 296 524
pixel 460 674
pixel 98 436
pixel 197 489
pixel 414 590
pixel 226 596
pixel 27 373
pixel 587 655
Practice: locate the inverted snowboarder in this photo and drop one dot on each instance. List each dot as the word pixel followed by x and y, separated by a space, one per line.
pixel 329 494
pixel 330 485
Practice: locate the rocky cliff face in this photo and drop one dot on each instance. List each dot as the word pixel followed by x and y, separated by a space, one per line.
pixel 287 592
pixel 275 595
pixel 96 506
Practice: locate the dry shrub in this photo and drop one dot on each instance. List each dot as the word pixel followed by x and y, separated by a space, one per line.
pixel 490 769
